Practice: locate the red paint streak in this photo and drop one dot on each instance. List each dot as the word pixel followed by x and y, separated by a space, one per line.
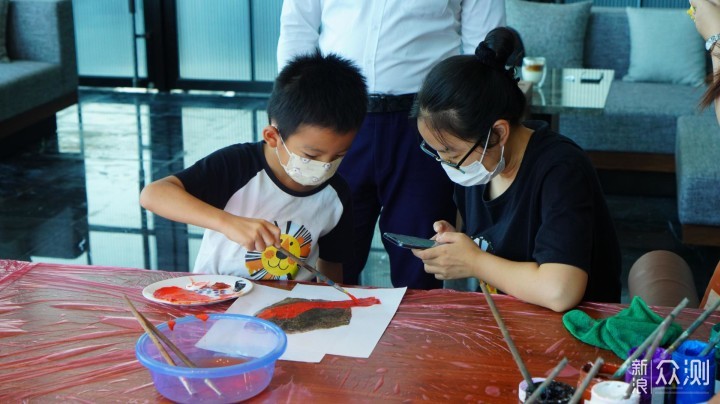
pixel 176 294
pixel 124 322
pixel 26 362
pixel 171 324
pixel 555 346
pixel 292 310
pixel 379 383
pixel 568 371
pixel 140 387
pixel 492 391
pixel 219 286
pixel 217 362
pixel 11 327
pixel 202 316
pixel 345 378
pixel 9 308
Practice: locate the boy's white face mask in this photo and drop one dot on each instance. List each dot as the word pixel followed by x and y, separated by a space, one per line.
pixel 305 171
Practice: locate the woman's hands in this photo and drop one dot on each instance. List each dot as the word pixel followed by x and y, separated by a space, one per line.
pixel 442 226
pixel 455 258
pixel 252 234
pixel 707 17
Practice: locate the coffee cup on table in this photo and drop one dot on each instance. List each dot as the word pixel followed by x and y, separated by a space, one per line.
pixel 533 70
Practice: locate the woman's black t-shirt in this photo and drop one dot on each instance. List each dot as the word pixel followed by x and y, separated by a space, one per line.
pixel 553 212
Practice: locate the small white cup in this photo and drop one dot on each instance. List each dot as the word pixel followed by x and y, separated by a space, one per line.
pixel 533 70
pixel 522 394
pixel 612 392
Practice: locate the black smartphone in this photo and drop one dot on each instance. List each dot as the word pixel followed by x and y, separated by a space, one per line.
pixel 403 241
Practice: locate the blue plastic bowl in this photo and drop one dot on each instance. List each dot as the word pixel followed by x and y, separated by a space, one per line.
pixel 235 357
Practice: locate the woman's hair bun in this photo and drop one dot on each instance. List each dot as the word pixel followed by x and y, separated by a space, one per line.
pixel 488 56
pixel 502 47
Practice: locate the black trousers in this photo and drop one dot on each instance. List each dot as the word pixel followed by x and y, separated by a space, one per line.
pixel 390 176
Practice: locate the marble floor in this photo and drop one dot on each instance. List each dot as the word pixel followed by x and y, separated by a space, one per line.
pixel 74 199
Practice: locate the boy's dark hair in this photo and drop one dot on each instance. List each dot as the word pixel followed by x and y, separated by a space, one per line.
pixel 464 95
pixel 326 91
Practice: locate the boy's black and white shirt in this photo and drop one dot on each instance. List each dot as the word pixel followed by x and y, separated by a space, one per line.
pixel 314 224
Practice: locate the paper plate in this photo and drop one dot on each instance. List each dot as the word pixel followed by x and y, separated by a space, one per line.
pixel 199 289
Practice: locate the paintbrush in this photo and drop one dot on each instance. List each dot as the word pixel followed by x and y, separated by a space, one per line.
pixel 316 272
pixel 508 339
pixel 639 350
pixel 155 335
pixel 713 341
pixel 648 356
pixel 586 381
pixel 538 392
pixel 705 314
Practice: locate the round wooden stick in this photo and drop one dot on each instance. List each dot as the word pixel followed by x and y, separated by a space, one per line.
pixel 506 336
pixel 711 344
pixel 586 382
pixel 648 356
pixel 153 337
pixel 691 329
pixel 639 350
pixel 536 394
pixel 154 333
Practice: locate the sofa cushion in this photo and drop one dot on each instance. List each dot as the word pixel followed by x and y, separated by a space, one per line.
pixel 664 47
pixel 638 117
pixel 607 25
pixel 26 84
pixel 3 30
pixel 698 173
pixel 554 31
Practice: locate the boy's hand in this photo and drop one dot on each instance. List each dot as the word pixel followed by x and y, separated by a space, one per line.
pixel 253 234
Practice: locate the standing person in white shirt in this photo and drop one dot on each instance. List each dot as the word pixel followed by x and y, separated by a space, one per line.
pixel 395 43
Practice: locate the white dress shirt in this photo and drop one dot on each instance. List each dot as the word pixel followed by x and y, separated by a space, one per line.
pixel 394 42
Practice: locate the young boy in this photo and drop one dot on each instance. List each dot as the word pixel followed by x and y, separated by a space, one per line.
pixel 282 191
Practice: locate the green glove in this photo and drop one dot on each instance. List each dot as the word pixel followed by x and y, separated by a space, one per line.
pixel 621 332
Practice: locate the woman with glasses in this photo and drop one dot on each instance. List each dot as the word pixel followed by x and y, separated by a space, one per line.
pixel 530 193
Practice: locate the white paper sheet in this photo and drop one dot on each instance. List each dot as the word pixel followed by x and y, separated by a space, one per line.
pixel 263 296
pixel 358 339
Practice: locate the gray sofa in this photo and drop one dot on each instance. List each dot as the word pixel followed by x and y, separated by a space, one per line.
pixel 638 128
pixel 651 127
pixel 697 151
pixel 42 77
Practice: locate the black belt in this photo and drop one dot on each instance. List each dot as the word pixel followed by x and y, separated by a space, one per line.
pixel 390 103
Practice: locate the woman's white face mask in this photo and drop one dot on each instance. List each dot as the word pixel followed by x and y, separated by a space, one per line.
pixel 475 173
pixel 306 171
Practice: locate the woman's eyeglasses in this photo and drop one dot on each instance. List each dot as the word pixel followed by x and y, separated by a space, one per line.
pixel 434 154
